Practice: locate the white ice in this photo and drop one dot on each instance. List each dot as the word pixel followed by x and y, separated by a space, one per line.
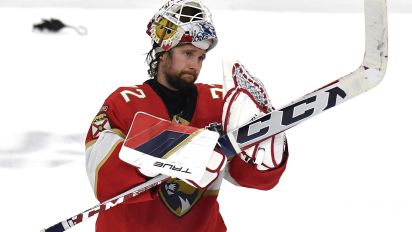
pixel 349 168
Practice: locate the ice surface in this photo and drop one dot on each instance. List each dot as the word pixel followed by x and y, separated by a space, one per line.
pixel 349 168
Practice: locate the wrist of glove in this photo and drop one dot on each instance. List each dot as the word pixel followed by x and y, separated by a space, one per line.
pixel 267 154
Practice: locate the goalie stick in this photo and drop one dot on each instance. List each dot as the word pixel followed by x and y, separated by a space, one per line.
pixel 367 76
pixel 81 217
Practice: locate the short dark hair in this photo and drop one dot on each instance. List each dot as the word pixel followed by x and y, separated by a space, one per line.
pixel 152 59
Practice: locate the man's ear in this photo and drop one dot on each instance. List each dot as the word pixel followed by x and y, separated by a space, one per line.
pixel 163 56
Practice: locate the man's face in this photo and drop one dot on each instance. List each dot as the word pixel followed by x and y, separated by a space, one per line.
pixel 180 67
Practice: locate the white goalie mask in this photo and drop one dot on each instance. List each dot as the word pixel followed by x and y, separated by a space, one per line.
pixel 182 21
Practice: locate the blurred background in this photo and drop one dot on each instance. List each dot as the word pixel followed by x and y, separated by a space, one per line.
pixel 266 5
pixel 349 168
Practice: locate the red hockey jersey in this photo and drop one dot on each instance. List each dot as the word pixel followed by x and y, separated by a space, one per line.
pixel 175 205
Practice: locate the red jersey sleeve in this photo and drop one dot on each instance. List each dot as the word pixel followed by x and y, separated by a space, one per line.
pixel 246 174
pixel 108 175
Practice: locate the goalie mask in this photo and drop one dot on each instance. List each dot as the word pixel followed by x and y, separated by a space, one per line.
pixel 182 21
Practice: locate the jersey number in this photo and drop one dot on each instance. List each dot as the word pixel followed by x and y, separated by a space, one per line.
pixel 135 92
pixel 214 92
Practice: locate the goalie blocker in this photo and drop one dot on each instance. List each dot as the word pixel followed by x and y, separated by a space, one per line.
pixel 157 146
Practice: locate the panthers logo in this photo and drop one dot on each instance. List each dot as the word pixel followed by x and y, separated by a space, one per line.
pixel 179 197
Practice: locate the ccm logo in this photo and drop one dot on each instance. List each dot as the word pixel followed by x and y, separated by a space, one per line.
pixel 325 100
pixel 171 167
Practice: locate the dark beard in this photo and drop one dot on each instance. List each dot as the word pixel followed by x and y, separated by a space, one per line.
pixel 178 83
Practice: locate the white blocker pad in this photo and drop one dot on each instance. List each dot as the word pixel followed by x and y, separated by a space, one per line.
pixel 160 146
